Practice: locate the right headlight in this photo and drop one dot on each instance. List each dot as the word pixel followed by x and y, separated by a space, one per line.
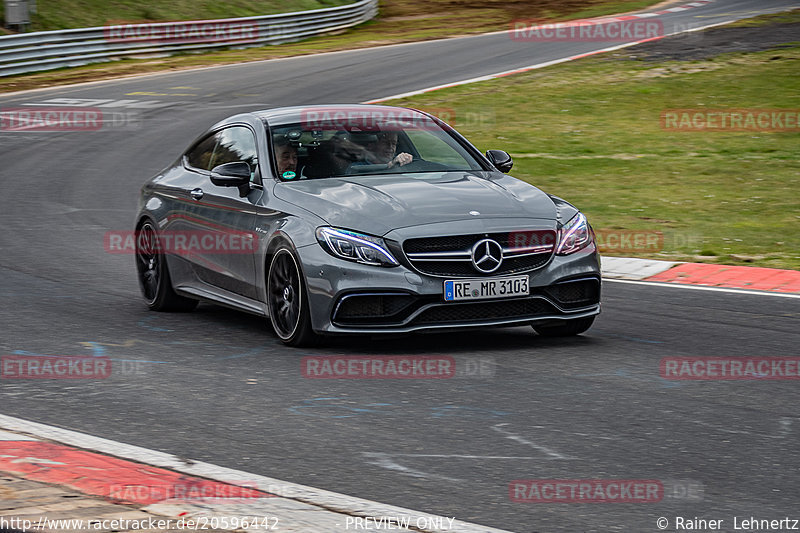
pixel 574 235
pixel 353 246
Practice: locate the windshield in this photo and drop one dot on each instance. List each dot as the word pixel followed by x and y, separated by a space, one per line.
pixel 328 145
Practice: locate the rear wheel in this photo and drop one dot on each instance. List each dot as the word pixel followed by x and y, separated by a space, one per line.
pixel 287 301
pixel 567 328
pixel 153 273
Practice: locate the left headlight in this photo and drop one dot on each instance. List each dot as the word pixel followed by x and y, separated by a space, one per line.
pixel 574 235
pixel 358 247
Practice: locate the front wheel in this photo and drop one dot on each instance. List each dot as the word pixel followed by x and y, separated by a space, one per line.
pixel 287 301
pixel 154 280
pixel 567 328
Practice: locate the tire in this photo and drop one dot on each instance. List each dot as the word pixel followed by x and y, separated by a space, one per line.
pixel 568 328
pixel 287 300
pixel 153 274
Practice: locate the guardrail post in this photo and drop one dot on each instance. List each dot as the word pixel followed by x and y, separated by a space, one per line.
pixel 16 14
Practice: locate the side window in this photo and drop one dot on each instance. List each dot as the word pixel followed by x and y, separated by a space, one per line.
pixel 235 144
pixel 200 155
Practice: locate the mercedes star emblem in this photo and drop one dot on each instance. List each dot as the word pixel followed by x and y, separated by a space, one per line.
pixel 487 255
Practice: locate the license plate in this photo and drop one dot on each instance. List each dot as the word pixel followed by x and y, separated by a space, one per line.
pixel 485 289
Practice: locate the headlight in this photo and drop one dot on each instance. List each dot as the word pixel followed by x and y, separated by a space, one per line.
pixel 574 235
pixel 364 249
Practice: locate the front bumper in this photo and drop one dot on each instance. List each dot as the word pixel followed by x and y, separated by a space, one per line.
pixel 347 297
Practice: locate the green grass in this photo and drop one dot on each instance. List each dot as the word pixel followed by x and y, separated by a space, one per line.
pixel 61 14
pixel 590 131
pixel 398 21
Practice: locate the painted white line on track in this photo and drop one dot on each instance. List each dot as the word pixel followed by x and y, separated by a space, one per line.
pixel 551 454
pixel 327 500
pixel 749 292
pixel 385 460
pixel 540 65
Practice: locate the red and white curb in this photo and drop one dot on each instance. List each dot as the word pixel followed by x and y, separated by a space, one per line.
pixel 704 276
pixel 104 468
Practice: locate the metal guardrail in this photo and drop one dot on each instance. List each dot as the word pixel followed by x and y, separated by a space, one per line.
pixel 45 50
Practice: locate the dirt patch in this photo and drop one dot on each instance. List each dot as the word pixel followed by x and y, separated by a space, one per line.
pixel 716 41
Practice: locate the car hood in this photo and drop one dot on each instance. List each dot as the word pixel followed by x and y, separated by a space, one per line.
pixel 379 204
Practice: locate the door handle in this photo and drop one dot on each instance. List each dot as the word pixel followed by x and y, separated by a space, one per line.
pixel 197 193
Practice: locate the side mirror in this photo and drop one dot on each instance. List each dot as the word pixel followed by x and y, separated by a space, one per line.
pixel 500 159
pixel 233 174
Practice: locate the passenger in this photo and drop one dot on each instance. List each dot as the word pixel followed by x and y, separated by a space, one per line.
pixel 286 157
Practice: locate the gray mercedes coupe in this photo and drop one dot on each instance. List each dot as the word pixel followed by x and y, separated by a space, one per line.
pixel 361 219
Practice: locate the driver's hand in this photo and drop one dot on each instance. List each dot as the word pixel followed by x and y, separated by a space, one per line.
pixel 400 160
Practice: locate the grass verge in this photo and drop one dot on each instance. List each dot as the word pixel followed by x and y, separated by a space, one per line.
pixel 63 14
pixel 398 21
pixel 590 131
pixel 785 17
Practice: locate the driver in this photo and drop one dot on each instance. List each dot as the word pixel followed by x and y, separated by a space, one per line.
pixel 382 150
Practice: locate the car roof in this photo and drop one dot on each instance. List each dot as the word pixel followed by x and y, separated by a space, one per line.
pixel 291 115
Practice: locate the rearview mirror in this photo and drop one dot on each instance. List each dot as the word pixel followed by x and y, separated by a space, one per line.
pixel 233 174
pixel 500 159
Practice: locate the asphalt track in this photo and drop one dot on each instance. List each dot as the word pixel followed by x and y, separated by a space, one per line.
pixel 216 386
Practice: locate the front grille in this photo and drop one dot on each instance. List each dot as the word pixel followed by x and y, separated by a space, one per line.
pixel 453 313
pixel 522 252
pixel 441 244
